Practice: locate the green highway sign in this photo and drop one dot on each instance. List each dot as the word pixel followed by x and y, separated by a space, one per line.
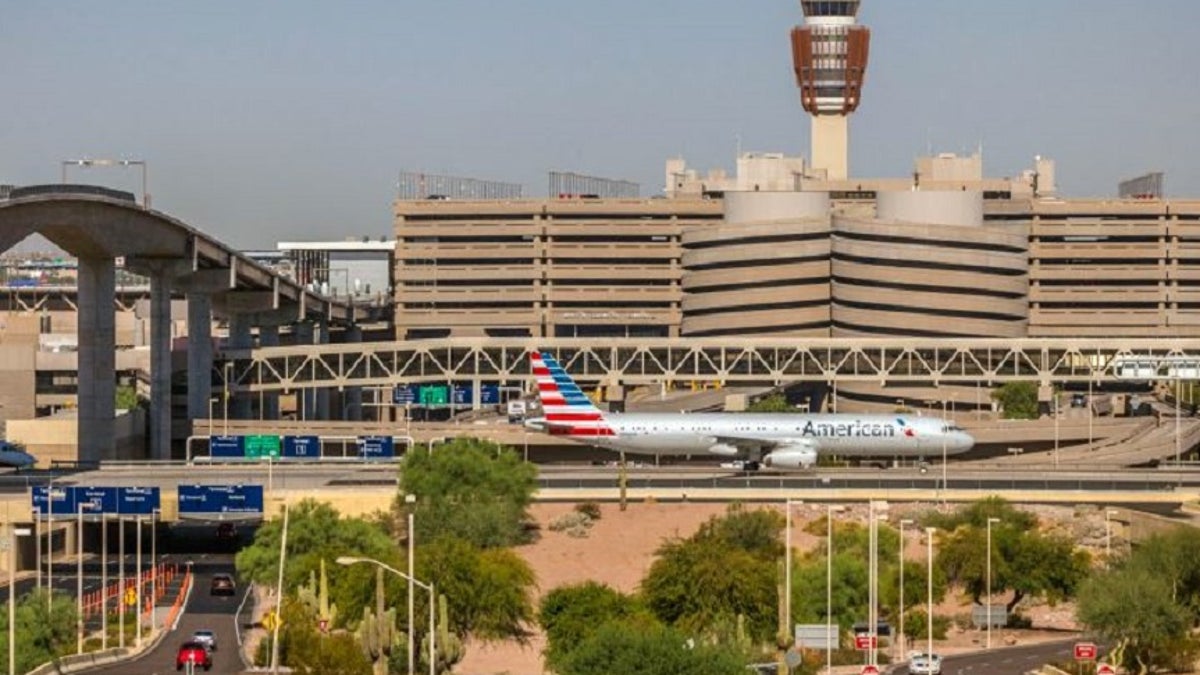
pixel 262 446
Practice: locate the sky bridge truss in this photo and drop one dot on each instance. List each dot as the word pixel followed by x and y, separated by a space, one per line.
pixel 729 361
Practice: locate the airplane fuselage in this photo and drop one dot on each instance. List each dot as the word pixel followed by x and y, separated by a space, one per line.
pixel 845 435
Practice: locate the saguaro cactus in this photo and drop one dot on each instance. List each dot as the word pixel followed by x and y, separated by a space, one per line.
pixel 315 596
pixel 450 648
pixel 377 632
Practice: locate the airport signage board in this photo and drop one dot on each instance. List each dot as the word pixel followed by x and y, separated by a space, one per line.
pixel 96 501
pixel 489 394
pixel 376 447
pixel 259 446
pixel 208 500
pixel 404 394
pixel 138 501
pixel 461 395
pixel 226 446
pixel 302 447
pixel 54 501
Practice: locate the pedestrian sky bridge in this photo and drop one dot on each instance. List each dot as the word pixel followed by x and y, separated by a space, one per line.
pixel 728 361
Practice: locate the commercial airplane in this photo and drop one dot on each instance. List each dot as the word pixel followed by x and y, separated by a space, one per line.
pixel 781 440
pixel 11 456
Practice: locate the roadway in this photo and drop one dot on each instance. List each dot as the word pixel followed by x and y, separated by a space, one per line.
pixel 1001 660
pixel 217 613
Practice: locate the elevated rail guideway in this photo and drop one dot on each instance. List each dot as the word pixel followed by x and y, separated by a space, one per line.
pixel 729 361
pixel 98 225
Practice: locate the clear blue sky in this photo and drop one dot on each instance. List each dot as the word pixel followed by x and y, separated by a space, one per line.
pixel 290 120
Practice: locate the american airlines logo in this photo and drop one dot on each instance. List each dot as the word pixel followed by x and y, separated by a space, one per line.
pixel 854 429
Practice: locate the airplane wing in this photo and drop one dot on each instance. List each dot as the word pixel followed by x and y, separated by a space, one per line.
pixel 751 442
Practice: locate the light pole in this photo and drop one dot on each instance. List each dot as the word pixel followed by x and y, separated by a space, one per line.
pixel 137 607
pixel 929 591
pixel 1108 514
pixel 900 642
pixel 945 483
pixel 103 581
pixel 410 500
pixel 12 594
pixel 1056 430
pixel 829 635
pixel 350 560
pixel 154 515
pixel 787 566
pixel 37 542
pixel 111 162
pixel 226 370
pixel 121 583
pixel 79 576
pixel 877 511
pixel 988 611
pixel 279 592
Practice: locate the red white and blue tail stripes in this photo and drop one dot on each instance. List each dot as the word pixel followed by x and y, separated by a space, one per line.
pixel 567 410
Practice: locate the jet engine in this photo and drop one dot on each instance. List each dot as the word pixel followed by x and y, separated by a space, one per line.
pixel 791 458
pixel 723 449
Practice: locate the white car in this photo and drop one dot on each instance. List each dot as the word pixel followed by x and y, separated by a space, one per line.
pixel 920 663
pixel 207 638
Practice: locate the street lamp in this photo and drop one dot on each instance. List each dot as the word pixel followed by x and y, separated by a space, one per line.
pixel 350 560
pixel 110 162
pixel 787 565
pixel 103 581
pixel 154 516
pixel 79 575
pixel 830 509
pixel 1108 514
pixel 1056 430
pixel 410 500
pixel 225 370
pixel 137 608
pixel 945 482
pixel 929 591
pixel 12 594
pixel 900 642
pixel 988 611
pixel 876 512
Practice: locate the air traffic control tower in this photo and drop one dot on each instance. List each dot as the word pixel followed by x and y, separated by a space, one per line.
pixel 830 56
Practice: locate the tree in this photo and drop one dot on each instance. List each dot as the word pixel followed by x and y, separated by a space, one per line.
pixel 470 490
pixel 1133 608
pixel 633 649
pixel 488 591
pixel 316 532
pixel 1025 562
pixel 729 567
pixel 127 397
pixel 1018 400
pixel 775 403
pixel 571 614
pixel 43 633
pixel 977 514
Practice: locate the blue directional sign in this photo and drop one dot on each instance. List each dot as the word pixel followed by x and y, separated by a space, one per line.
pixel 97 500
pixel 489 394
pixel 138 501
pixel 404 394
pixel 226 446
pixel 57 502
pixel 461 395
pixel 207 500
pixel 376 447
pixel 301 447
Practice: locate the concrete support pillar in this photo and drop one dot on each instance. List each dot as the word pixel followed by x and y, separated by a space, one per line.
pixel 268 336
pixel 306 400
pixel 160 367
pixel 200 356
pixel 322 338
pixel 354 395
pixel 97 359
pixel 239 338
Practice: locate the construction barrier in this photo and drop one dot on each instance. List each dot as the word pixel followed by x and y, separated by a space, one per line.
pixel 162 575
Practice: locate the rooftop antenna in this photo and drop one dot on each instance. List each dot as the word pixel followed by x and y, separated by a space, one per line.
pixel 738 139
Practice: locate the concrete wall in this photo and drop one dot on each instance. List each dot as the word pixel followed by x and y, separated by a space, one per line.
pixel 54 438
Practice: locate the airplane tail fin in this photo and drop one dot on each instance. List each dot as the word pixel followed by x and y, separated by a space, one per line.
pixel 567 410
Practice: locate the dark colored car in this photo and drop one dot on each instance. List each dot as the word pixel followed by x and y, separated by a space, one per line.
pixel 223 584
pixel 194 653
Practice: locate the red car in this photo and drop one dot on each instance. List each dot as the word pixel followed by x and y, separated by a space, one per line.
pixel 194 653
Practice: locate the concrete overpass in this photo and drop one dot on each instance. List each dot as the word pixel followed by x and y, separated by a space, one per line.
pixel 98 225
